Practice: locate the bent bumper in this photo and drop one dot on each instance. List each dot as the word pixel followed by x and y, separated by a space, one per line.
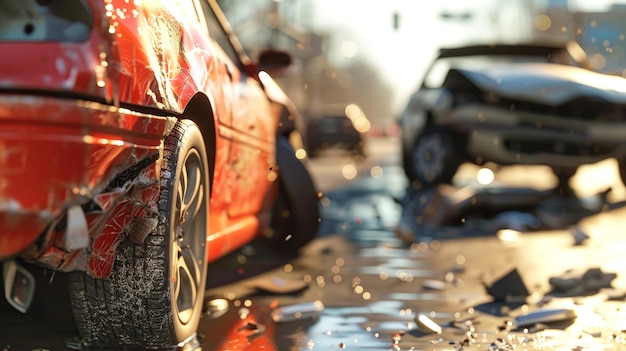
pixel 56 153
pixel 510 137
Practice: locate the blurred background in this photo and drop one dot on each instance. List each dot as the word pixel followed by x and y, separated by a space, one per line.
pixel 374 53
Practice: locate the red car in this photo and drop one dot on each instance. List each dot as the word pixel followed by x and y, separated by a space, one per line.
pixel 138 143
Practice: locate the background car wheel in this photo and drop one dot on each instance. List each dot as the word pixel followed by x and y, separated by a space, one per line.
pixel 564 175
pixel 154 296
pixel 296 213
pixel 434 158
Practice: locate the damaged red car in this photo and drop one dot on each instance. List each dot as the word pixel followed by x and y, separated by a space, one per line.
pixel 138 143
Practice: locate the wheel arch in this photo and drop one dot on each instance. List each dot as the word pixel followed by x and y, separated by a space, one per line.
pixel 200 110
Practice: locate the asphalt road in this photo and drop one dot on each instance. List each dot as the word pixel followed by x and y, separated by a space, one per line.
pixel 370 285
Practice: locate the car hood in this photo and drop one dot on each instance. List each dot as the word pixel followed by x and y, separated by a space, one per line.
pixel 545 83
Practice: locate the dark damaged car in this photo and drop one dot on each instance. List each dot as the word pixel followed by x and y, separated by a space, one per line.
pixel 139 143
pixel 535 104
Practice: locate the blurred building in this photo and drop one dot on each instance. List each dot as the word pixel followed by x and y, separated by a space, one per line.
pixel 601 33
pixel 374 53
pixel 316 78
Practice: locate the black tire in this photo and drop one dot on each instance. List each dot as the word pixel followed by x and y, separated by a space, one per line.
pixel 564 175
pixel 434 157
pixel 296 215
pixel 154 296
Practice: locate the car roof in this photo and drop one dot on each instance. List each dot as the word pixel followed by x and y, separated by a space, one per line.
pixel 530 49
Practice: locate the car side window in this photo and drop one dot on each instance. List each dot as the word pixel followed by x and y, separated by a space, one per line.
pixel 217 32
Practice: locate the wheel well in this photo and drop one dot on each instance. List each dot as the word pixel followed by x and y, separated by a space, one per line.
pixel 200 111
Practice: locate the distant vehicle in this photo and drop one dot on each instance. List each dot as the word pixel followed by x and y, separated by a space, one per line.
pixel 513 104
pixel 339 127
pixel 138 143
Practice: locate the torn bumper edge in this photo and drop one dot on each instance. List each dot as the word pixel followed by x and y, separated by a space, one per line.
pixel 58 154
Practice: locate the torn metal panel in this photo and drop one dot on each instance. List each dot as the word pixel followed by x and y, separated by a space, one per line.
pixel 89 152
pixel 130 199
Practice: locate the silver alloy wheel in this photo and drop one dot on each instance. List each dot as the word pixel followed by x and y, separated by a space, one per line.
pixel 189 224
pixel 429 156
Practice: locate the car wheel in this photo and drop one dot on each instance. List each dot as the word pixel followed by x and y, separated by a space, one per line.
pixel 564 175
pixel 295 218
pixel 154 296
pixel 434 158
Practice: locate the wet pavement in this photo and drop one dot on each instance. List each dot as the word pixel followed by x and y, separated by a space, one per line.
pixel 373 285
pixel 360 286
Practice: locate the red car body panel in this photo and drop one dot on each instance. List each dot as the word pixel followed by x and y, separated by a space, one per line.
pixel 77 117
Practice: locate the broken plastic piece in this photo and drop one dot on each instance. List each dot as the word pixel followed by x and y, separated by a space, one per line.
pixel 579 236
pixel 547 315
pixel 577 281
pixel 77 232
pixel 509 288
pixel 299 311
pixel 19 285
pixel 427 325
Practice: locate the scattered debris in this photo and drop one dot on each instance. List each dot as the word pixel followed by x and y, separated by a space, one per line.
pixel 546 315
pixel 427 325
pixel 579 235
pixel 516 220
pixel 595 332
pixel 432 284
pixel 299 311
pixel 509 288
pixel 578 282
pixel 465 325
pixel 453 211
pixel 563 211
pixel 500 345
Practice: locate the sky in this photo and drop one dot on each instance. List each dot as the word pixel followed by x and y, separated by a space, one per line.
pixel 365 28
pixel 402 54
